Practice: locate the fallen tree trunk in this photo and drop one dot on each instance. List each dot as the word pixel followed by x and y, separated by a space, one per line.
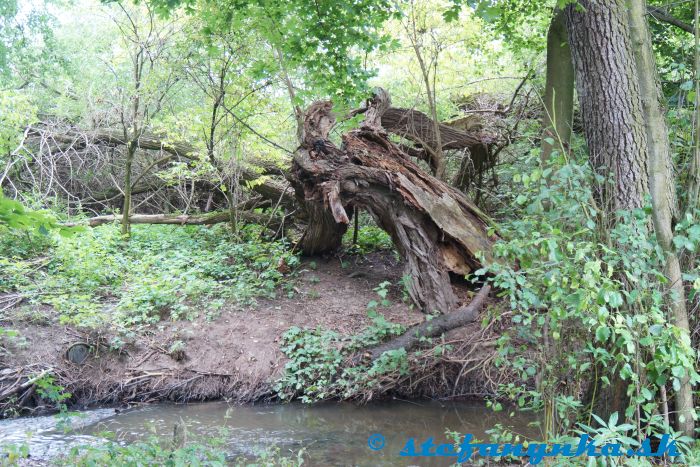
pixel 433 328
pixel 418 128
pixel 433 225
pixel 187 219
pixel 269 188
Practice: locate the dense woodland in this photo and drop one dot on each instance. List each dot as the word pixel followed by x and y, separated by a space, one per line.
pixel 529 170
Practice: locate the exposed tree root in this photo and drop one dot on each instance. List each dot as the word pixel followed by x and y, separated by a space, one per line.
pixel 433 225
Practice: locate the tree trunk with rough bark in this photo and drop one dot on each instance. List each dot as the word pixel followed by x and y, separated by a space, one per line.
pixel 209 218
pixel 608 92
pixel 559 90
pixel 126 204
pixel 270 188
pixel 415 126
pixel 662 187
pixel 434 226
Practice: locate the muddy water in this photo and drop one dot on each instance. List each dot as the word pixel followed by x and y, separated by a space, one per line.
pixel 331 434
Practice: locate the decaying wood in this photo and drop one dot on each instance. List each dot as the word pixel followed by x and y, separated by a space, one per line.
pixel 418 128
pixel 433 328
pixel 433 225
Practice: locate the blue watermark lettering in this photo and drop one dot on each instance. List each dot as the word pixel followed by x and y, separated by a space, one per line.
pixel 535 453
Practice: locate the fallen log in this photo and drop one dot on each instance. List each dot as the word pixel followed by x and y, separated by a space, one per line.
pixel 187 219
pixel 433 328
pixel 270 188
pixel 418 128
pixel 433 225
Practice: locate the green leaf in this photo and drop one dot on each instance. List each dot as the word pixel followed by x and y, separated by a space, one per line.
pixel 687 85
pixel 602 333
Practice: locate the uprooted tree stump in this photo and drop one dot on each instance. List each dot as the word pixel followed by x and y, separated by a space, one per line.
pixel 435 227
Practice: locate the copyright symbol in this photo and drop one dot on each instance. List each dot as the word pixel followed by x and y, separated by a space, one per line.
pixel 375 442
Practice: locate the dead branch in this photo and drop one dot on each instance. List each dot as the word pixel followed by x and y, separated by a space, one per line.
pixel 435 327
pixel 188 219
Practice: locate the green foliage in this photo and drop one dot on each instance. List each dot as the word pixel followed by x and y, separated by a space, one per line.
pixel 382 291
pixel 508 17
pixel 324 39
pixel 596 298
pixel 14 216
pixel 315 360
pixel 47 388
pixel 316 369
pixel 26 39
pixel 204 452
pixel 154 451
pixel 16 113
pixel 369 238
pixel 161 273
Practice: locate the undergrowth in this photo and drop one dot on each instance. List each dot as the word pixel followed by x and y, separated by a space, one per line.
pixel 589 305
pixel 370 238
pixel 318 366
pixel 162 272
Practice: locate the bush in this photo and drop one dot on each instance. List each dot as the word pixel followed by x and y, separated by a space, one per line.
pixel 586 295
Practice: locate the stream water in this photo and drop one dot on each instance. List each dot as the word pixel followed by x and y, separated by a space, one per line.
pixel 331 434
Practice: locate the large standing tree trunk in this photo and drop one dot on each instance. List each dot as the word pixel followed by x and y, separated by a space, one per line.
pixel 608 92
pixel 662 187
pixel 559 90
pixel 434 226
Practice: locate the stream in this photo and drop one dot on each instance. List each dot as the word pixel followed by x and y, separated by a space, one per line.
pixel 330 433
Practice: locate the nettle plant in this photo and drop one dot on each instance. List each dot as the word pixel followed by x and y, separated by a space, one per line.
pixel 592 299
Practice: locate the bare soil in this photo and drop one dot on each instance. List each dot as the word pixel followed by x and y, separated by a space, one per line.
pixel 235 356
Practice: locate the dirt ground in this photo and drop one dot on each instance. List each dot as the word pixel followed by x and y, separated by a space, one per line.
pixel 235 356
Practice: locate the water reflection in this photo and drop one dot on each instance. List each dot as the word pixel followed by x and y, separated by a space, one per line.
pixel 333 434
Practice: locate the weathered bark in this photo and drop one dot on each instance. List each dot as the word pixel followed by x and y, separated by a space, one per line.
pixel 608 93
pixel 126 190
pixel 323 234
pixel 432 328
pixel 559 90
pixel 662 187
pixel 434 226
pixel 417 127
pixel 420 129
pixel 115 137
